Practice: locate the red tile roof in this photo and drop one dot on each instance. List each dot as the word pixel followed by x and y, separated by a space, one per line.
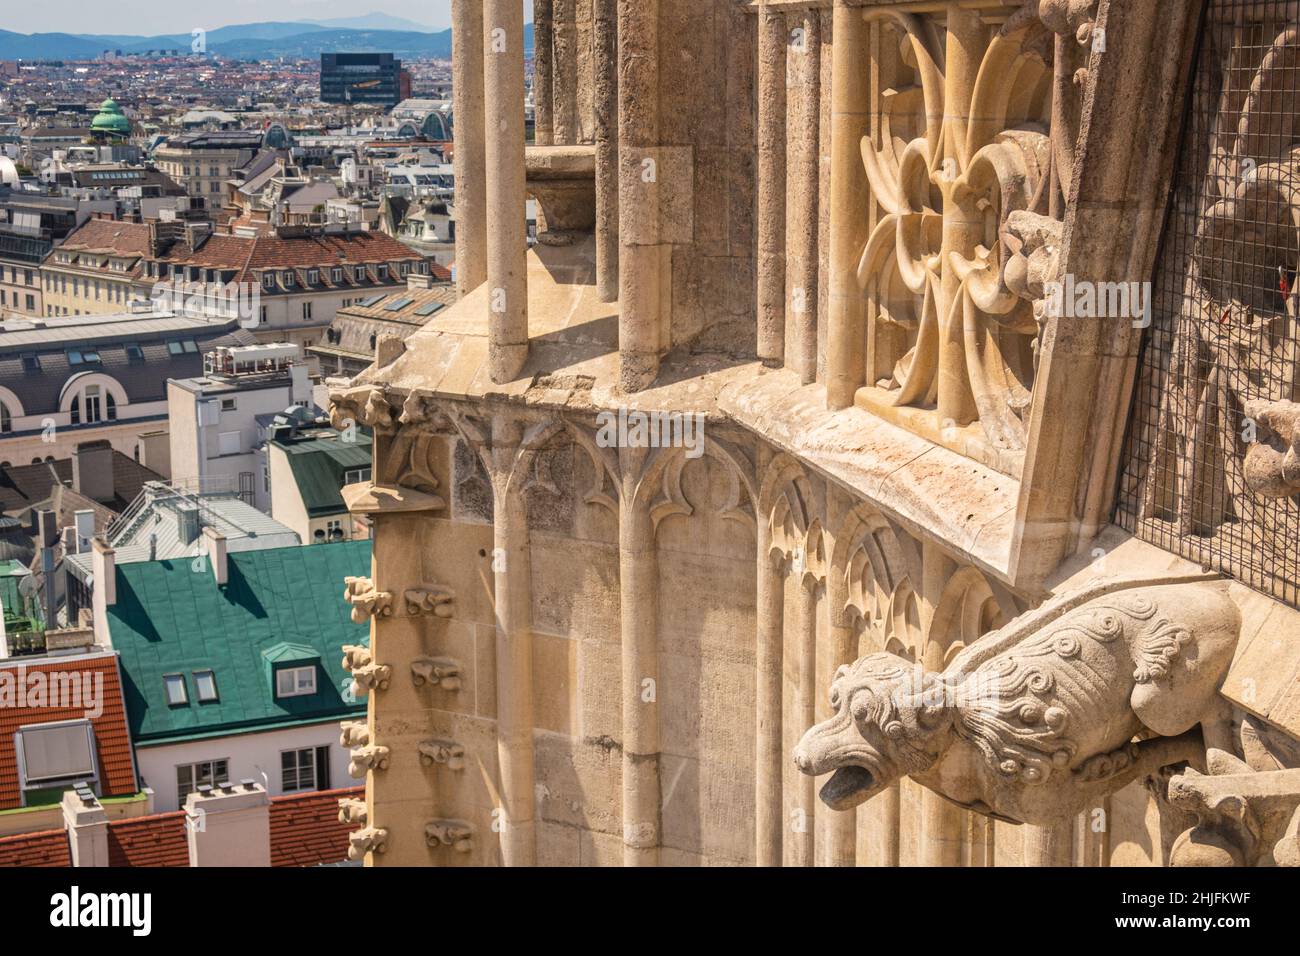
pixel 112 739
pixel 305 828
pixel 157 840
pixel 124 238
pixel 43 848
pixel 252 254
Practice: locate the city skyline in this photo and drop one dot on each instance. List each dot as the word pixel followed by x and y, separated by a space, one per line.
pixel 156 17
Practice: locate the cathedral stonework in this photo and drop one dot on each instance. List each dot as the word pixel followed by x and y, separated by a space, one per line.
pixel 859 468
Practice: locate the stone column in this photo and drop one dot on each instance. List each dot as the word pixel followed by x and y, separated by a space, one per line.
pixel 605 72
pixel 840 828
pixel 963 54
pixel 565 89
pixel 543 72
pixel 514 648
pixel 87 825
pixel 771 183
pixel 641 254
pixel 805 709
pixel 638 572
pixel 768 757
pixel 507 241
pixel 850 199
pixel 468 122
pixel 942 823
pixel 1049 845
pixel 804 98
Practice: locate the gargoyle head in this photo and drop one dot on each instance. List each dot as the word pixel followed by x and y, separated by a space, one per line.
pixel 891 719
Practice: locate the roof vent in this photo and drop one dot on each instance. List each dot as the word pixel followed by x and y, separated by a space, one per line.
pixel 187 522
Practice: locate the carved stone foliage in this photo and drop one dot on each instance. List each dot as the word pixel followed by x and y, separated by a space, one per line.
pixel 442 672
pixel 354 733
pixel 1034 721
pixel 967 172
pixel 445 753
pixel 408 433
pixel 431 599
pixel 352 811
pixel 1243 818
pixel 452 833
pixel 472 492
pixel 369 757
pixel 368 840
pixel 367 601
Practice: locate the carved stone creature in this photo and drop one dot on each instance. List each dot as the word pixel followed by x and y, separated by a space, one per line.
pixel 370 757
pixel 366 600
pixel 1035 721
pixel 355 733
pixel 1034 260
pixel 451 833
pixel 369 840
pixel 442 752
pixel 436 670
pixel 355 657
pixel 1273 462
pixel 437 600
pixel 352 811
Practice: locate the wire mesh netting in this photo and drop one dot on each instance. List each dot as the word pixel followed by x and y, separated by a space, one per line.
pixel 1219 364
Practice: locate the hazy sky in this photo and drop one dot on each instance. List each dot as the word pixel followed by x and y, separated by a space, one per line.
pixel 151 17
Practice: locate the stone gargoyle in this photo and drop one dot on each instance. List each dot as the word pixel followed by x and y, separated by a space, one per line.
pixel 1036 721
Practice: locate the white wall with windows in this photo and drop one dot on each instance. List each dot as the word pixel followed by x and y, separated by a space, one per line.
pixel 285 761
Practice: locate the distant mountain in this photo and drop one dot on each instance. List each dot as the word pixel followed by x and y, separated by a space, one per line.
pixel 251 41
pixel 374 21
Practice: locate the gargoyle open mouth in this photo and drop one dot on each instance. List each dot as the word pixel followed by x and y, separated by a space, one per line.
pixel 848 787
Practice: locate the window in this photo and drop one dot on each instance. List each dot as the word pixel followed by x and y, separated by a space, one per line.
pixel 133 352
pixel 268 280
pixel 334 529
pixel 228 404
pixel 92 409
pixel 295 681
pixel 288 280
pixel 6 420
pixel 306 769
pixel 110 406
pixel 356 475
pixel 75 412
pixel 58 751
pixel 306 310
pixel 337 275
pixel 313 276
pixel 175 348
pixel 205 685
pixel 189 777
pixel 31 362
pixel 74 357
pixel 174 685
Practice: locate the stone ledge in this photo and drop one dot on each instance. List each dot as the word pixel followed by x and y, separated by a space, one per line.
pixel 933 492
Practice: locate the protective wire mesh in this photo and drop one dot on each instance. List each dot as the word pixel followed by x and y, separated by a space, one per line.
pixel 1224 310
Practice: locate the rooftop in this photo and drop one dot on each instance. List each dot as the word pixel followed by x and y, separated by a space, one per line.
pixel 169 620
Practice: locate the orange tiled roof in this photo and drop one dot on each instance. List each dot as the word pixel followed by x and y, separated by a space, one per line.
pixel 43 848
pixel 305 828
pixel 124 238
pixel 157 840
pixel 112 739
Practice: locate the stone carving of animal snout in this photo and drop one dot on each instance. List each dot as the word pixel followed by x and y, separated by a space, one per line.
pixel 1036 721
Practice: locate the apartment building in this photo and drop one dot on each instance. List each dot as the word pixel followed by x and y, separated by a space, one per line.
pixel 202 162
pixel 93 271
pixel 30 226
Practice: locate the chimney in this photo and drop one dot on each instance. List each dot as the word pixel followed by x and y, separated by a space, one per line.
pixel 92 470
pixel 216 547
pixel 417 283
pixel 103 565
pixel 229 825
pixel 87 826
pixel 84 526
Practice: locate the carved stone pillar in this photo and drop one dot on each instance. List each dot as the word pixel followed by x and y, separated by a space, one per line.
pixel 605 72
pixel 804 174
pixel 543 72
pixel 850 121
pixel 840 828
pixel 514 648
pixel 507 240
pixel 638 564
pixel 769 760
pixel 805 709
pixel 771 183
pixel 565 89
pixel 641 253
pixel 468 117
pixel 942 823
pixel 1048 845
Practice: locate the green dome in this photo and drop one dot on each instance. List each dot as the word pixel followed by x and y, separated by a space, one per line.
pixel 111 120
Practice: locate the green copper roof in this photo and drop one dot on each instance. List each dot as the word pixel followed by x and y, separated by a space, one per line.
pixel 280 604
pixel 318 466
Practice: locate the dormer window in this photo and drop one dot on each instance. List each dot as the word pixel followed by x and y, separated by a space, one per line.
pixel 338 275
pixel 313 276
pixel 268 281
pixel 382 271
pixel 295 681
pixel 288 280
